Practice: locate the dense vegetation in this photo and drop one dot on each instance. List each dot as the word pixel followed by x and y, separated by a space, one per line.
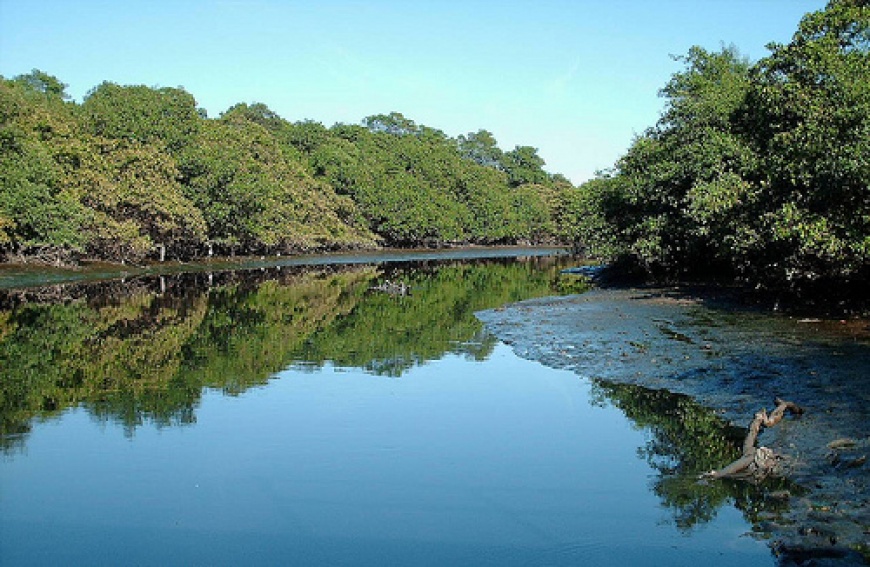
pixel 759 172
pixel 135 172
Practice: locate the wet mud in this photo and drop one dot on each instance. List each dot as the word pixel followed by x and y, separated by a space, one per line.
pixel 735 360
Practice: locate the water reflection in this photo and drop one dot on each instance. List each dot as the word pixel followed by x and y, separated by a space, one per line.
pixel 143 350
pixel 149 350
pixel 685 440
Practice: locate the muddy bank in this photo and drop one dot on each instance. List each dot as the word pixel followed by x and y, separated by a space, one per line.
pixel 735 360
pixel 34 275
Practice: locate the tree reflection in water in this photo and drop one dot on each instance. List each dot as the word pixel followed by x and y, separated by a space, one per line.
pixel 144 350
pixel 685 440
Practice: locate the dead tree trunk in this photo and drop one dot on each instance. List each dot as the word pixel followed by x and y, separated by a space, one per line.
pixel 757 462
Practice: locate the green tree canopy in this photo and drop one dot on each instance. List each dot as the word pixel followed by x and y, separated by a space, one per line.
pixel 809 115
pixel 481 147
pixel 36 132
pixel 44 83
pixel 165 117
pixel 524 165
pixel 393 123
pixel 254 199
pixel 137 172
pixel 670 200
pixel 755 171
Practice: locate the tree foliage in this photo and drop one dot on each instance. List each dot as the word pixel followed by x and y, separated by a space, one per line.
pixel 135 172
pixel 37 128
pixel 760 172
pixel 256 200
pixel 42 82
pixel 136 200
pixel 414 185
pixel 165 117
pixel 482 148
pixel 809 110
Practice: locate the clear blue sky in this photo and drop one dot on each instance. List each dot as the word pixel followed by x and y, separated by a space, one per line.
pixel 576 79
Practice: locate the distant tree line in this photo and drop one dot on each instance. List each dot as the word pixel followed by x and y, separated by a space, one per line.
pixel 755 172
pixel 135 173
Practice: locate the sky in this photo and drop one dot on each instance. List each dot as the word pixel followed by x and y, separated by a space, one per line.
pixel 576 79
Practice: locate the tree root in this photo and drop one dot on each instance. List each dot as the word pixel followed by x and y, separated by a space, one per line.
pixel 757 462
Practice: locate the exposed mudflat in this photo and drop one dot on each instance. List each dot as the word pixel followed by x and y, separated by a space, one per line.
pixel 735 360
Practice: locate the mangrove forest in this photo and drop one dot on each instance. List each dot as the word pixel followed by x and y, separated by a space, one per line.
pixel 756 172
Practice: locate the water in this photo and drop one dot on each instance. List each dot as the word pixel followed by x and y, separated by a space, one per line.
pixel 737 359
pixel 298 417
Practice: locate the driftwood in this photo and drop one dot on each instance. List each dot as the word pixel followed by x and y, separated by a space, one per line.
pixel 757 462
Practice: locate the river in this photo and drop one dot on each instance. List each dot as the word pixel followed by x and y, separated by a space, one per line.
pixel 313 413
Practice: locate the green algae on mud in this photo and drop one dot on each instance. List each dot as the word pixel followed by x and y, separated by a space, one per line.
pixel 734 360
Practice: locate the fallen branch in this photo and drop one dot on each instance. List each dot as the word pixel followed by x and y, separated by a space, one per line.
pixel 757 462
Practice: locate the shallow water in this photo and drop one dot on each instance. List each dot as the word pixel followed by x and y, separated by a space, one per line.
pixel 299 417
pixel 737 360
pixel 499 462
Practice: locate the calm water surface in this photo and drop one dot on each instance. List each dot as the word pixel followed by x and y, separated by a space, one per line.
pixel 299 417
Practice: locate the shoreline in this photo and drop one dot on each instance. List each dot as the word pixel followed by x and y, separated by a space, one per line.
pixel 734 359
pixel 23 275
